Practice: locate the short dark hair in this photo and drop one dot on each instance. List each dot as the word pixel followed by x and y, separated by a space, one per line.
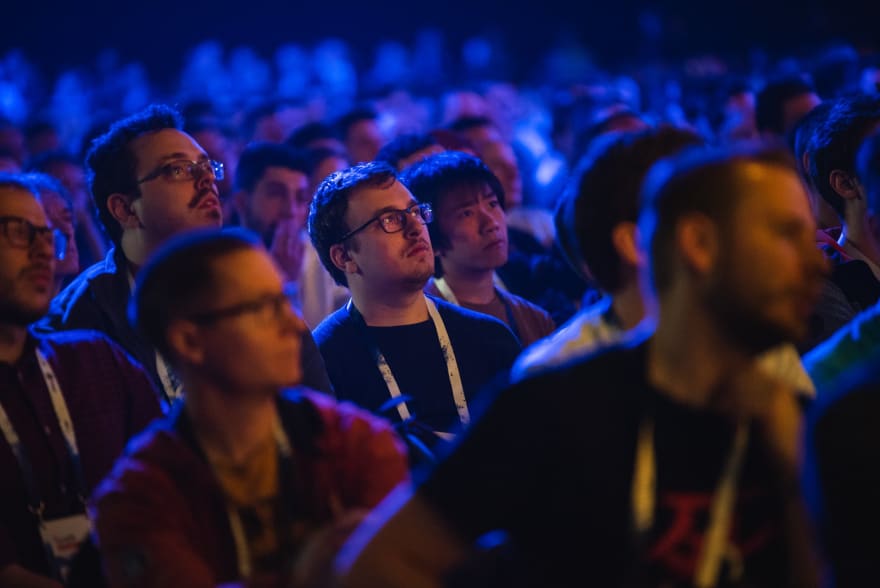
pixel 604 192
pixel 327 212
pixel 43 182
pixel 18 181
pixel 403 146
pixel 705 181
pixel 302 137
pixel 355 115
pixel 257 157
pixel 805 131
pixel 868 166
pixel 467 123
pixel 179 279
pixel 837 140
pixel 436 177
pixel 770 102
pixel 111 164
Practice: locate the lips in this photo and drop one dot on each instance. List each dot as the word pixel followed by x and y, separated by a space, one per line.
pixel 496 244
pixel 39 275
pixel 418 249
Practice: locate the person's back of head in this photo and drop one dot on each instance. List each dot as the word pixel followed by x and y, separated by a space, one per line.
pixel 782 103
pixel 327 225
pixel 835 143
pixel 112 164
pixel 604 193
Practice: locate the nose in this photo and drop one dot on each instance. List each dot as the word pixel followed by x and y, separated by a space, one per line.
pixel 43 246
pixel 205 177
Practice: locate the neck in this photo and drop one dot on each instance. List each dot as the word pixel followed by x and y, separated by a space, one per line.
pixel 12 338
pixel 230 427
pixel 689 357
pixel 860 235
pixel 473 287
pixel 389 308
pixel 135 248
pixel 629 305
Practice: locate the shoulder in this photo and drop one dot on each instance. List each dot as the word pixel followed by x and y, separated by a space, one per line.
pixel 583 333
pixel 85 347
pixel 459 317
pixel 79 304
pixel 521 305
pixel 337 324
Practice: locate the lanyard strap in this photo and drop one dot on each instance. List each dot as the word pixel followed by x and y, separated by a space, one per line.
pixel 449 296
pixel 59 405
pixel 644 496
pixel 458 397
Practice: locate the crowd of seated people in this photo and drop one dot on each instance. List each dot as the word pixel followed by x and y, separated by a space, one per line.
pixel 499 335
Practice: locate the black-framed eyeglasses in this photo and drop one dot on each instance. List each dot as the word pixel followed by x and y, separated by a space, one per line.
pixel 183 169
pixel 21 234
pixel 266 309
pixel 394 221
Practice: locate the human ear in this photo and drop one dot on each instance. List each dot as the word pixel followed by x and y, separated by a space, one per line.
pixel 121 207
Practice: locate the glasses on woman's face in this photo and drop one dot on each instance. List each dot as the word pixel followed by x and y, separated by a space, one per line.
pixel 394 221
pixel 183 169
pixel 21 234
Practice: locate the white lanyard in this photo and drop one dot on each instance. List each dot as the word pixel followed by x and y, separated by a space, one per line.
pixel 644 495
pixel 171 384
pixel 58 404
pixel 458 397
pixel 242 551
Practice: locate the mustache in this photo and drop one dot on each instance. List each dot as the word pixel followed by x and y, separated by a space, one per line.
pixel 202 195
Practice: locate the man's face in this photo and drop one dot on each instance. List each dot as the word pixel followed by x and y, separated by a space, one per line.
pixel 363 141
pixel 256 351
pixel 476 230
pixel 769 272
pixel 499 157
pixel 168 207
pixel 385 259
pixel 26 273
pixel 281 194
pixel 61 217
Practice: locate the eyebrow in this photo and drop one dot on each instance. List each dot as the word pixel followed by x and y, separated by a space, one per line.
pixel 178 155
pixel 393 208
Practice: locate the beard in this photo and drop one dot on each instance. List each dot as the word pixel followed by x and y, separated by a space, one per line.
pixel 739 311
pixel 18 312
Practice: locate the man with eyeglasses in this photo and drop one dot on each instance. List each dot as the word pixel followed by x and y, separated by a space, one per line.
pixel 150 181
pixel 392 349
pixel 250 480
pixel 68 403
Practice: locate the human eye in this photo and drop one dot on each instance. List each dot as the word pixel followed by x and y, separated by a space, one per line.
pixel 388 220
pixel 177 170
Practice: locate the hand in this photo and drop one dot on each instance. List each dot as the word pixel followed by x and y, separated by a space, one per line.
pixel 314 566
pixel 287 249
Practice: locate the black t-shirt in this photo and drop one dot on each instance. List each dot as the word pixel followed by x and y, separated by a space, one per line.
pixel 484 347
pixel 551 463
